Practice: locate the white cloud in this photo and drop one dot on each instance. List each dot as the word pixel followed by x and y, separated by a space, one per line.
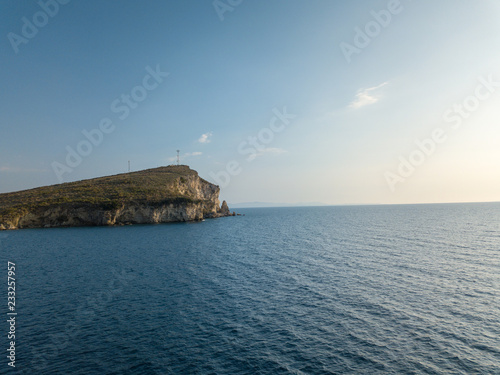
pixel 267 150
pixel 205 138
pixel 367 96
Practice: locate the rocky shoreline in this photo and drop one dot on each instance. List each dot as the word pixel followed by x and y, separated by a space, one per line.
pixel 195 200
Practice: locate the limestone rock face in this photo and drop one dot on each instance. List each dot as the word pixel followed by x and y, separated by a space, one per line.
pixel 224 209
pixel 130 214
pixel 181 196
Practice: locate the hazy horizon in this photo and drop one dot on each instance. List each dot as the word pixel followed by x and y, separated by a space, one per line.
pixel 386 102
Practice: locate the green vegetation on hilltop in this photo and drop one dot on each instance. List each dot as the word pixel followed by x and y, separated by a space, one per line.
pixel 155 186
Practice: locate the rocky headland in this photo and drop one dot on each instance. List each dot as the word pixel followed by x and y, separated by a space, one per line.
pixel 159 195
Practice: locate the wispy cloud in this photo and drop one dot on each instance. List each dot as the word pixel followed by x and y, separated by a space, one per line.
pixel 367 96
pixel 205 138
pixel 196 153
pixel 186 155
pixel 267 150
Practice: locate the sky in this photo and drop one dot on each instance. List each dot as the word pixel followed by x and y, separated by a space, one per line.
pixel 284 101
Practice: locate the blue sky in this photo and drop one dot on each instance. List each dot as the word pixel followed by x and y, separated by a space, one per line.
pixel 353 125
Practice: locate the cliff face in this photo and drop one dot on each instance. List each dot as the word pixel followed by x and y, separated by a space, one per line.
pixel 133 213
pixel 161 195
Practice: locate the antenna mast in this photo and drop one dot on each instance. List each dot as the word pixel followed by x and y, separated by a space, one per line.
pixel 129 166
pixel 178 157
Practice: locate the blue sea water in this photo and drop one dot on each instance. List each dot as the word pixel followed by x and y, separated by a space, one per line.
pixel 410 289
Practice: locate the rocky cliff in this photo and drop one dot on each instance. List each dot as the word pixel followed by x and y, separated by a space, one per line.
pixel 160 195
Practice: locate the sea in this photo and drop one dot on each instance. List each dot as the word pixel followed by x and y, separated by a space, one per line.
pixel 382 289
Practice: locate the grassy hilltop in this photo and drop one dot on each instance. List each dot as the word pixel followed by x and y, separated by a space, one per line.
pixel 155 186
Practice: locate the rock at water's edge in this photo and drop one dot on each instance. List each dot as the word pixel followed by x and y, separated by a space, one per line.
pixel 224 209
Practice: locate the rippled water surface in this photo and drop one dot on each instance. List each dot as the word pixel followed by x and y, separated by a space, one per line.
pixel 369 289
